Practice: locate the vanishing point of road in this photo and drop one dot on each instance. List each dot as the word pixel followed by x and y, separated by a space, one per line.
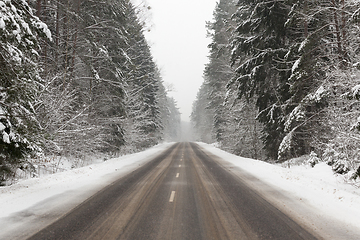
pixel 183 193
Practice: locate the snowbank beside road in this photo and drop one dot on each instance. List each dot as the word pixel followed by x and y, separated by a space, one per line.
pixel 84 181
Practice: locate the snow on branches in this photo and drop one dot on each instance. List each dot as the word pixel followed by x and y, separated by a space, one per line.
pixel 19 80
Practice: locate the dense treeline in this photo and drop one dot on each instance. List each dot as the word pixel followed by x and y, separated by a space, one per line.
pixel 77 79
pixel 285 72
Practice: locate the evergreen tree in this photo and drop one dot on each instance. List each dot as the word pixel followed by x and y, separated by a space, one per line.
pixel 202 116
pixel 144 88
pixel 19 82
pixel 305 57
pixel 86 78
pixel 322 52
pixel 172 125
pixel 259 44
pixel 99 87
pixel 218 71
pixel 232 122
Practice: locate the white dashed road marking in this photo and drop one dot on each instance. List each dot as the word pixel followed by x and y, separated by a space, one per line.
pixel 172 196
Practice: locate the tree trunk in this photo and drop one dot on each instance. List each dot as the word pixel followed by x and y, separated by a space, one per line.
pixel 76 35
pixel 337 31
pixel 343 29
pixel 38 8
pixel 305 20
pixel 57 30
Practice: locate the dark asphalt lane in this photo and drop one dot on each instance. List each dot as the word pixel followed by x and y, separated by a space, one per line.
pixel 183 193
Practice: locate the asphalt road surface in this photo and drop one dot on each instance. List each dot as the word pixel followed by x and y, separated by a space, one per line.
pixel 183 193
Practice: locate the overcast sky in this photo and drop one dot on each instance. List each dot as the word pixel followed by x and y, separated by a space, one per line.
pixel 178 42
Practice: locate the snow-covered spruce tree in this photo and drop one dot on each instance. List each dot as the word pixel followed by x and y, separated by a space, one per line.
pixel 243 131
pixel 169 115
pixel 63 105
pixel 304 126
pixel 233 124
pixel 322 74
pixel 105 59
pixel 258 47
pixel 202 117
pixel 342 83
pixel 172 124
pixel 209 117
pixel 87 77
pixel 144 125
pixel 102 66
pixel 19 83
pixel 218 71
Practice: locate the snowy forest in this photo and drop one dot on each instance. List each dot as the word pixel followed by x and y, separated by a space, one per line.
pixel 283 81
pixel 77 79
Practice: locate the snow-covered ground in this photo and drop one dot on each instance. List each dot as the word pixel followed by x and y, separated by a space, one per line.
pixel 313 195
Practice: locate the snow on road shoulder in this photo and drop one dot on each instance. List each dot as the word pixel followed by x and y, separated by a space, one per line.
pixel 30 192
pixel 328 195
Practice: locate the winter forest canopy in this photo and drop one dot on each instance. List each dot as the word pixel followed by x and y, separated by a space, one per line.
pixel 283 81
pixel 77 78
